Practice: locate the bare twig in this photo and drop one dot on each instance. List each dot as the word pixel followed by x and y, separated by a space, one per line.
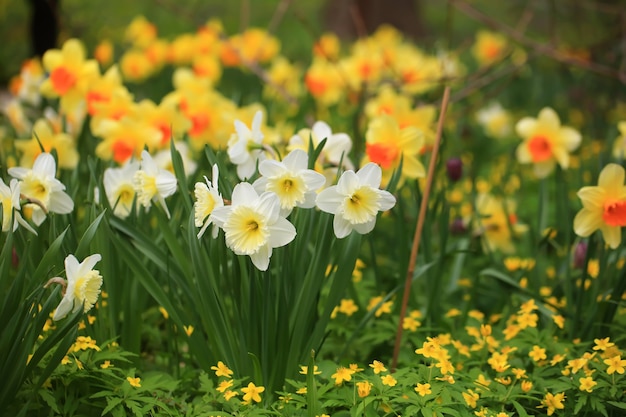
pixel 279 14
pixel 420 226
pixel 538 47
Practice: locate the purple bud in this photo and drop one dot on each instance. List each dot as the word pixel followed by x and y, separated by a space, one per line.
pixel 15 259
pixel 458 227
pixel 580 253
pixel 454 168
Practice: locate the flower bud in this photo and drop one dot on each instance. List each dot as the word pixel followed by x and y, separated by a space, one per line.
pixel 580 253
pixel 454 169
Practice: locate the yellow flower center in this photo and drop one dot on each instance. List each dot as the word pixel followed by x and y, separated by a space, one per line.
pixel 614 213
pixel 384 154
pixel 289 190
pixel 125 195
pixel 361 206
pixel 245 230
pixel 540 148
pixel 87 289
pixel 146 188
pixel 62 80
pixel 35 188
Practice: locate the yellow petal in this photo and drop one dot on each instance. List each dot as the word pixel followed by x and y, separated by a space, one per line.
pixel 587 221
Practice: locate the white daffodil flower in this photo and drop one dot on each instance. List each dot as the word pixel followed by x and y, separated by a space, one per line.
pixel 253 225
pixel 293 183
pixel 153 183
pixel 356 200
pixel 119 188
pixel 336 148
pixel 40 185
pixel 208 199
pixel 163 159
pixel 245 147
pixel 10 199
pixel 83 286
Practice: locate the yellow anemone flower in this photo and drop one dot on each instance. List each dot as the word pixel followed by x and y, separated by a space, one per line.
pixel 546 142
pixel 604 206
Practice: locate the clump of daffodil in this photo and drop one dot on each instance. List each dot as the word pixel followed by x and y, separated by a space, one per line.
pixel 208 199
pixel 604 206
pixel 546 142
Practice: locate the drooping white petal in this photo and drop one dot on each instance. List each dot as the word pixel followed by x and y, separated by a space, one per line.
pixel 65 306
pixel 386 200
pixel 60 203
pixel 342 227
pixel 261 258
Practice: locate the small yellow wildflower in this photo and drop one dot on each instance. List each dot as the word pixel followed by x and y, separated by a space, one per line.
pixel 537 354
pixel 553 402
pixel 342 374
pixel 526 385
pixel 134 382
pixel 188 329
pixel 602 344
pixel 251 393
pixel 587 384
pixel 305 370
pixel 224 385
pixel 616 364
pixel 471 397
pixel 389 380
pixel 423 389
pixel 106 364
pixel 222 370
pixel 348 307
pixel 363 388
pixel 230 394
pixel 378 367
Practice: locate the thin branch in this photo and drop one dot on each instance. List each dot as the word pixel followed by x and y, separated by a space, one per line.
pixel 539 47
pixel 420 225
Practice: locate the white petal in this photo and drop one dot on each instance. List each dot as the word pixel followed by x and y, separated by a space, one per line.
pixel 18 172
pixel 65 306
pixel 220 215
pixel 386 200
pixel 269 204
pixel 329 200
pixel 256 121
pixel 244 194
pixel 348 183
pixel 271 168
pixel 321 131
pixel 148 165
pixel 365 228
pixel 165 183
pixel 281 233
pixel 370 174
pixel 72 269
pixel 243 132
pixel 88 263
pixel 45 165
pixel 261 258
pixel 296 160
pixel 341 226
pixel 313 179
pixel 60 203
